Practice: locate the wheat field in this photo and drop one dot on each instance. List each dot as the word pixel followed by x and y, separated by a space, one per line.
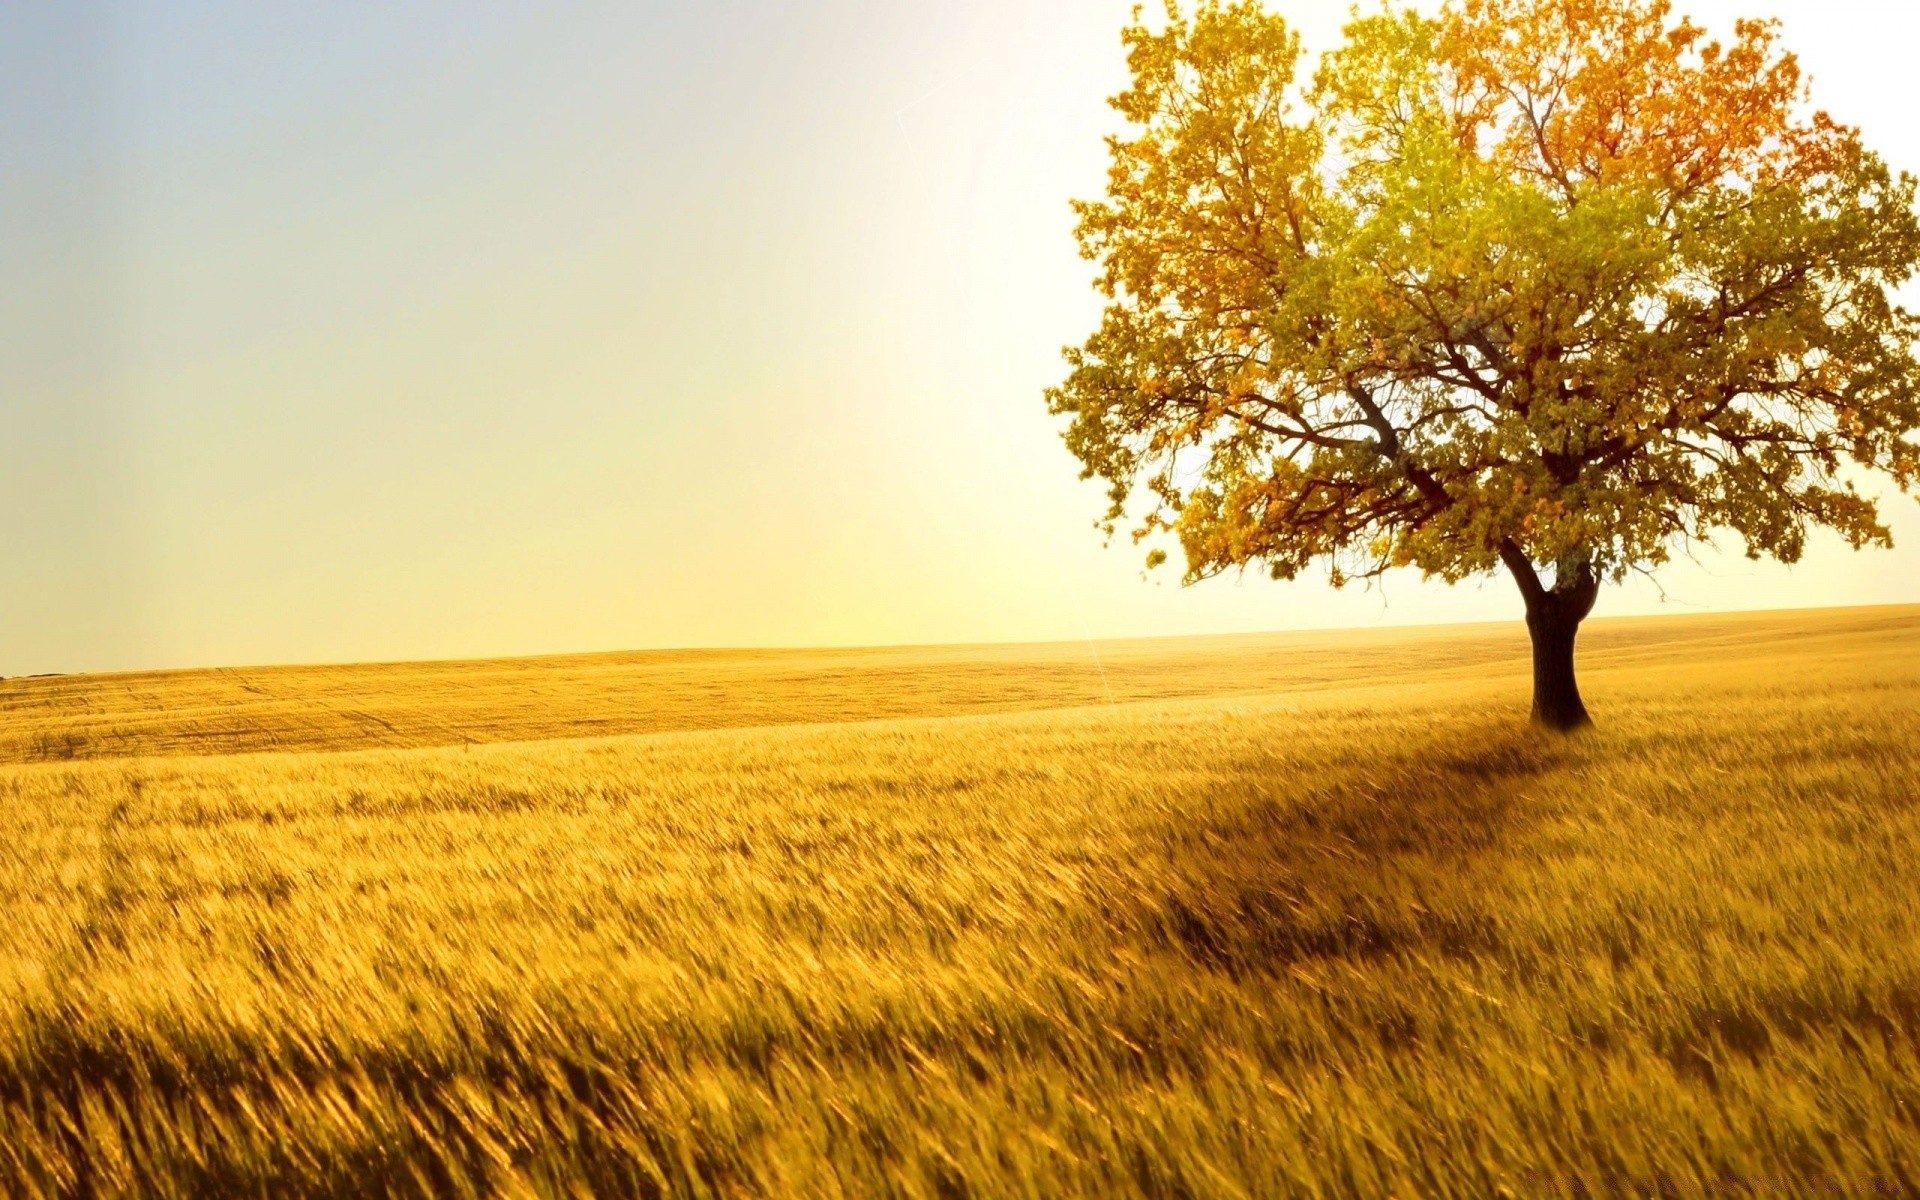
pixel 1298 915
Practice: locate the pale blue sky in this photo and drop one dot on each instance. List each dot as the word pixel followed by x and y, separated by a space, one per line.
pixel 406 330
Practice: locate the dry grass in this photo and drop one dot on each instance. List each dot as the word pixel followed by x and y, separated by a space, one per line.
pixel 528 699
pixel 1320 936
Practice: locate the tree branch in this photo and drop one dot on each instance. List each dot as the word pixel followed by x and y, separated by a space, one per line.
pixel 1388 444
pixel 1521 566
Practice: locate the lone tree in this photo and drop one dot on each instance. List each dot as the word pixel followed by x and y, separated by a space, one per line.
pixel 1559 285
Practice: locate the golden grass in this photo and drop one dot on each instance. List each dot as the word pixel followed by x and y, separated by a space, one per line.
pixel 529 699
pixel 1319 930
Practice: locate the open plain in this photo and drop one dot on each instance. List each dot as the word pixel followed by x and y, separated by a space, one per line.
pixel 1287 915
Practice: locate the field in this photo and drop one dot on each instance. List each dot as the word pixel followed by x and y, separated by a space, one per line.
pixel 1298 915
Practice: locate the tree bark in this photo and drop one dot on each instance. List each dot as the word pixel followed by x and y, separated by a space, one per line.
pixel 1556 695
pixel 1553 621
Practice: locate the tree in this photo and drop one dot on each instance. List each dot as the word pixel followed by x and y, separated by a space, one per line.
pixel 1555 285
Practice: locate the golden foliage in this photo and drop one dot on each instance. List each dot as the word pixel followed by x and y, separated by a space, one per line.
pixel 1554 282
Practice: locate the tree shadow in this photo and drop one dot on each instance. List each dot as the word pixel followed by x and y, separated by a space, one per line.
pixel 1395 857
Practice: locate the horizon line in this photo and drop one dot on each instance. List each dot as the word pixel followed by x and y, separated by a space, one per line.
pixel 875 647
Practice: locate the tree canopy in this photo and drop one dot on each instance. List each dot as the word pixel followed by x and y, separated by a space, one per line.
pixel 1556 284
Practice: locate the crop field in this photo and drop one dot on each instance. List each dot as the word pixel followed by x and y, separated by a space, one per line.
pixel 1293 915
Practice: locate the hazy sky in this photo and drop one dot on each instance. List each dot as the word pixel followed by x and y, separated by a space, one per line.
pixel 376 330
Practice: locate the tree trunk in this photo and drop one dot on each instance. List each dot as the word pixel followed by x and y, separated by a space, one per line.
pixel 1556 696
pixel 1553 621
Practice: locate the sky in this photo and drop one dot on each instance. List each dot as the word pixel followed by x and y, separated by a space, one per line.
pixel 387 331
